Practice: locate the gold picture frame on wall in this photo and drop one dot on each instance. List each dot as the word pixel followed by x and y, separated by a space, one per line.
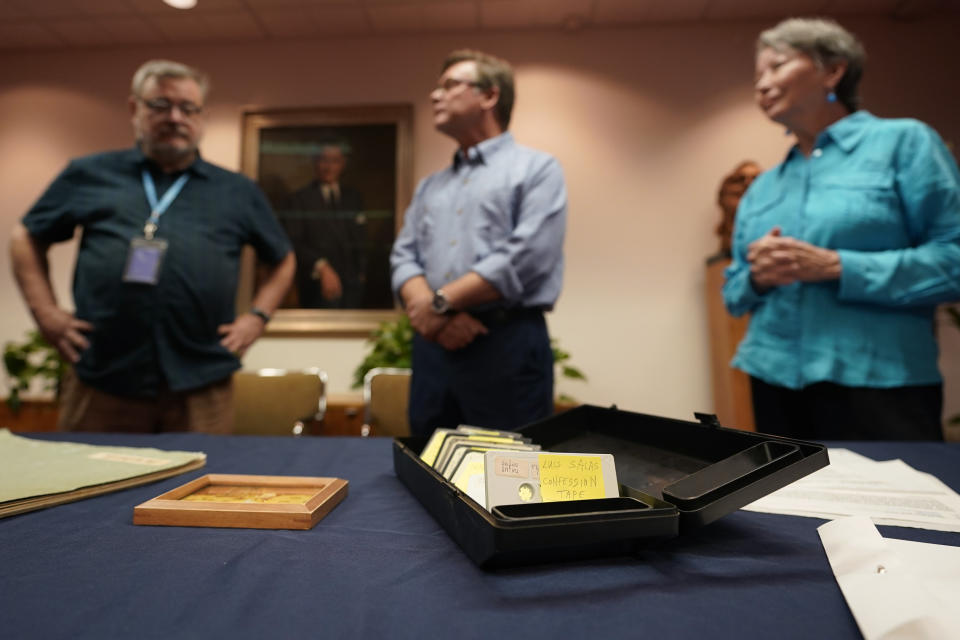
pixel 339 180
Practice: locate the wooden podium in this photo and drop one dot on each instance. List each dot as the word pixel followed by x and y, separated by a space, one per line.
pixel 731 388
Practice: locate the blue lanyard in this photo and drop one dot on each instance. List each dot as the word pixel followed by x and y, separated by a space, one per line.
pixel 157 209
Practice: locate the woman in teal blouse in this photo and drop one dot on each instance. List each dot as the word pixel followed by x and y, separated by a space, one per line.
pixel 842 252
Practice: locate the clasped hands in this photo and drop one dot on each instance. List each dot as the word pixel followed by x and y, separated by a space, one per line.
pixel 451 332
pixel 777 260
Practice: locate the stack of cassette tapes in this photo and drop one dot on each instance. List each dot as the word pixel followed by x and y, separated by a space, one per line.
pixel 502 467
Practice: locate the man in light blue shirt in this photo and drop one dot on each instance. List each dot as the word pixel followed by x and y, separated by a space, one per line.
pixel 479 259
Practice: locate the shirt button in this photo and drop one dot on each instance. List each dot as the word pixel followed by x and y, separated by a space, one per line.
pixel 466 180
pixel 453 243
pixel 448 275
pixel 817 153
pixel 459 212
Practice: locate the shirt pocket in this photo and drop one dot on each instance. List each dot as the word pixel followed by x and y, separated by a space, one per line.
pixel 760 215
pixel 860 211
pixel 494 224
pixel 425 231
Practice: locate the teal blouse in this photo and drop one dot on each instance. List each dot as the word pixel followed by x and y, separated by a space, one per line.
pixel 885 194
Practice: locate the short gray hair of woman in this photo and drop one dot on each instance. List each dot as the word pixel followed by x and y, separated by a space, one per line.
pixel 167 69
pixel 826 42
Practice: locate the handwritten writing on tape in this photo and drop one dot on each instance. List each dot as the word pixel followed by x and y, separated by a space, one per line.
pixel 520 477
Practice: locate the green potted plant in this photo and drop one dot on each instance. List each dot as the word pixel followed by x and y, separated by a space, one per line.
pixel 33 359
pixel 561 359
pixel 391 345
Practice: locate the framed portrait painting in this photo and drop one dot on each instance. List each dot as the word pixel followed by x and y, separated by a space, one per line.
pixel 339 179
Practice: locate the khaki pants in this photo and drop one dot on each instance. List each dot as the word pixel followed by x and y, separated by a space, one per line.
pixel 208 409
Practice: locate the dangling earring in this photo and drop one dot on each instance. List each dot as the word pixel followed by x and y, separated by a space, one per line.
pixel 831 97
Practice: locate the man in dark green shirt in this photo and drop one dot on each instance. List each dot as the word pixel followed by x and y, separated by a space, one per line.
pixel 155 338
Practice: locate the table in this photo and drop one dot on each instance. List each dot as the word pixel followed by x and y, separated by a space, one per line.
pixel 380 567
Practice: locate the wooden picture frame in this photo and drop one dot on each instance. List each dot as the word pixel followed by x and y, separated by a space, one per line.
pixel 224 500
pixel 282 151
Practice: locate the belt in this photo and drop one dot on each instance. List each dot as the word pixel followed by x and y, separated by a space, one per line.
pixel 502 316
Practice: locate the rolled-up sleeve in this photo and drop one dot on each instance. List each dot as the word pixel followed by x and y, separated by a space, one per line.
pixel 531 254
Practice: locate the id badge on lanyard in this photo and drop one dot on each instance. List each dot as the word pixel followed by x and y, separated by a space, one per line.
pixel 145 256
pixel 144 260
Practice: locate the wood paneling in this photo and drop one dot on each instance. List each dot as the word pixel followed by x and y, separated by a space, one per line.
pixel 731 387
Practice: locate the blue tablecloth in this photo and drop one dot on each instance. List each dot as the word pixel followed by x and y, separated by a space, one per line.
pixel 378 566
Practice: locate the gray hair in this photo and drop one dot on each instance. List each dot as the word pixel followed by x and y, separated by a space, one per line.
pixel 826 42
pixel 167 69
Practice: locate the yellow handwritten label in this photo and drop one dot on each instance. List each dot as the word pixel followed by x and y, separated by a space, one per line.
pixel 126 457
pixel 570 477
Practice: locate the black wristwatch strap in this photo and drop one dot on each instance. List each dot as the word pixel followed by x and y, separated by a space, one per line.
pixel 260 313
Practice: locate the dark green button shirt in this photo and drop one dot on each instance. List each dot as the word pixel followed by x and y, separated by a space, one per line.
pixel 148 336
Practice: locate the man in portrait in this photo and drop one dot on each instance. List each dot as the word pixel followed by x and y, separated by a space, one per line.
pixel 329 232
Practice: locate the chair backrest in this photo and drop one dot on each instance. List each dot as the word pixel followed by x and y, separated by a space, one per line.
pixel 386 396
pixel 277 401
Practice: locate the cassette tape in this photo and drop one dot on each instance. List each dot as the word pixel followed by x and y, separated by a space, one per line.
pixel 435 446
pixel 460 449
pixel 517 477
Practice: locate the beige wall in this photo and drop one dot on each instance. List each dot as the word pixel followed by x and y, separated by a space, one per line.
pixel 644 121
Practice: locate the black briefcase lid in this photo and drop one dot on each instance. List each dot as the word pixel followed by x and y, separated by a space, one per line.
pixel 674 476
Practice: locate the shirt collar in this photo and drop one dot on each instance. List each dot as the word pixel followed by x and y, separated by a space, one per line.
pixel 200 167
pixel 846 133
pixel 480 152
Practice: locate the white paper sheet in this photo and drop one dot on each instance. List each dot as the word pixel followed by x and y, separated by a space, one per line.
pixel 890 492
pixel 895 589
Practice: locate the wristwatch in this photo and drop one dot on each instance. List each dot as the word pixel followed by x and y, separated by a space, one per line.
pixel 440 304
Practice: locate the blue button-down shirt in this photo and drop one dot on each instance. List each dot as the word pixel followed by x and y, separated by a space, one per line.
pixel 499 210
pixel 885 194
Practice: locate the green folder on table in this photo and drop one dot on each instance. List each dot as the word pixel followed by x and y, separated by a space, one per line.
pixel 35 474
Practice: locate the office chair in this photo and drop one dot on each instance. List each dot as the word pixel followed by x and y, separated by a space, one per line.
pixel 277 401
pixel 386 396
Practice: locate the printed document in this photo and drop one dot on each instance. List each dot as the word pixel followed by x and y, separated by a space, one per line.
pixel 889 493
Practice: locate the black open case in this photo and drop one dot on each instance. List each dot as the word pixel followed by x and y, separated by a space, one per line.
pixel 674 475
